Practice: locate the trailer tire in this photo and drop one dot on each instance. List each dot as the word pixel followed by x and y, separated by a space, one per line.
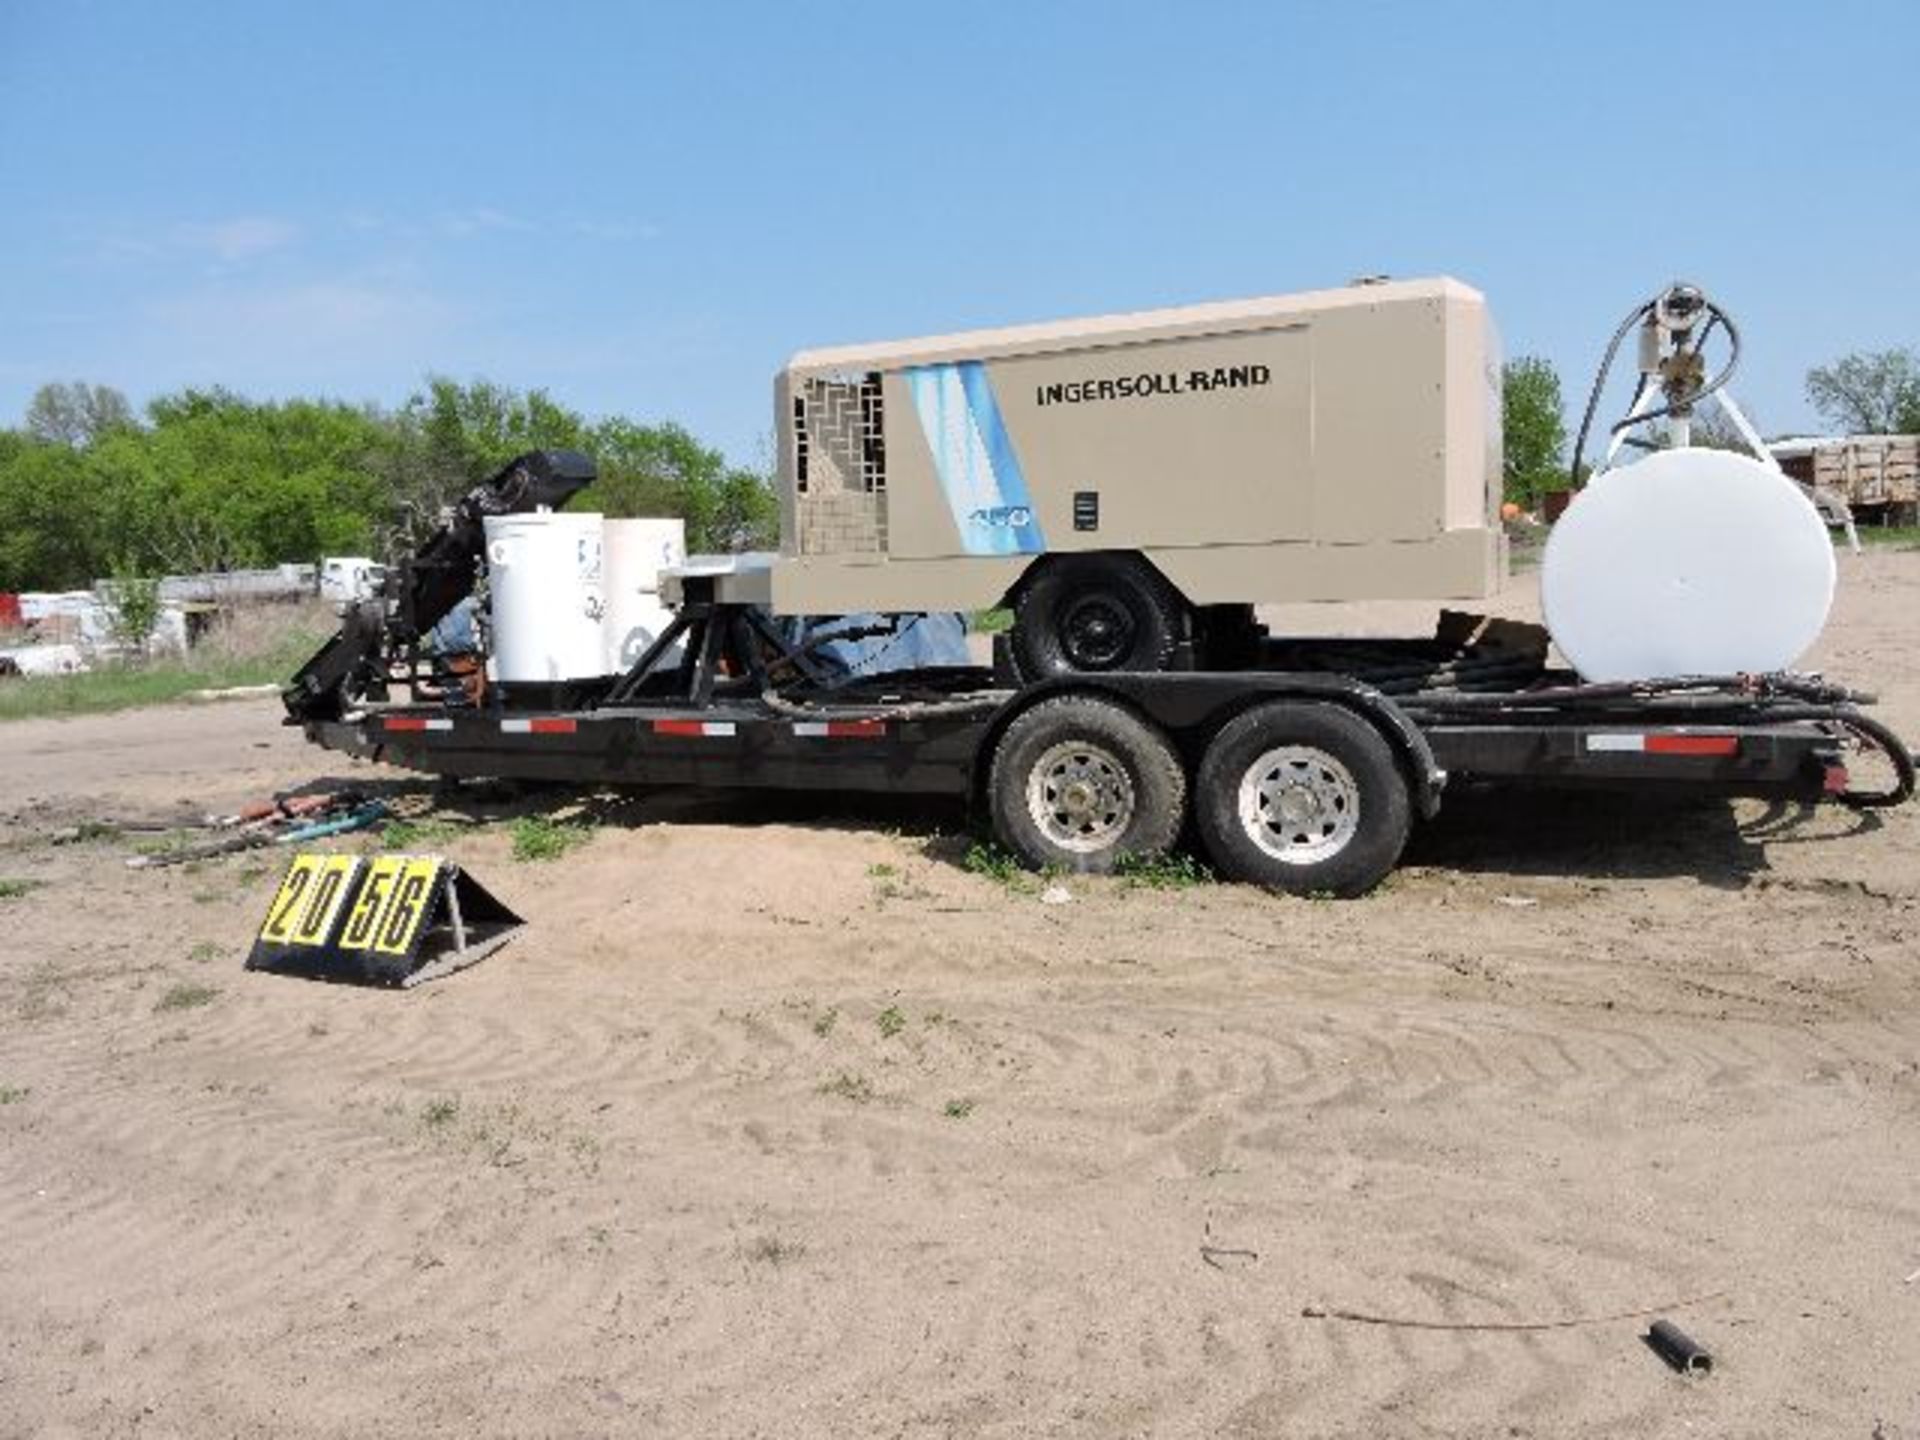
pixel 1078 783
pixel 1303 797
pixel 1091 614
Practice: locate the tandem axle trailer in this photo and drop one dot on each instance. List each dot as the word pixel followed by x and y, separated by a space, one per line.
pixel 1303 771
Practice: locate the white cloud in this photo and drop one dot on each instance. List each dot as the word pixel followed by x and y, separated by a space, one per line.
pixel 320 315
pixel 482 219
pixel 615 230
pixel 240 238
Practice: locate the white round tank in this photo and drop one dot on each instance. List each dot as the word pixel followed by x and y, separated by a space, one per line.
pixel 1689 562
pixel 544 580
pixel 636 552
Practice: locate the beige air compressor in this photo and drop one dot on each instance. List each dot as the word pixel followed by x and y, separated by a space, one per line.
pixel 1131 484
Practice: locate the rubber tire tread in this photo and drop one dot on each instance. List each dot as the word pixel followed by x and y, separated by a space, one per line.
pixel 1158 609
pixel 1159 781
pixel 1386 804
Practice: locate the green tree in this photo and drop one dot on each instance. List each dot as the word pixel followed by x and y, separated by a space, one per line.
pixel 1712 430
pixel 449 437
pixel 1533 432
pixel 215 480
pixel 1868 392
pixel 133 607
pixel 76 413
pixel 663 470
pixel 54 516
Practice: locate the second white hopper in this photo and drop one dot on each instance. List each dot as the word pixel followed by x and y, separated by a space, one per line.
pixel 636 552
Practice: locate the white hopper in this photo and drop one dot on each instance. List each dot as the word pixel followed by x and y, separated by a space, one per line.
pixel 636 552
pixel 544 577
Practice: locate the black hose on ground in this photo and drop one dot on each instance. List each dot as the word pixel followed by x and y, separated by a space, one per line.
pixel 1889 744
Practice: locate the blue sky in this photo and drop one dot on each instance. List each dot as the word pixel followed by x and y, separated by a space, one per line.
pixel 645 208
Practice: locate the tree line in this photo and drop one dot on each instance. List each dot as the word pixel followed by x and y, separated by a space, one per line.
pixel 209 480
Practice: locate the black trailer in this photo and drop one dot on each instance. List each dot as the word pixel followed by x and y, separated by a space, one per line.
pixel 1303 768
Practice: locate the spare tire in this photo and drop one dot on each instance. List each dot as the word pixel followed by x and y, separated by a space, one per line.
pixel 1090 614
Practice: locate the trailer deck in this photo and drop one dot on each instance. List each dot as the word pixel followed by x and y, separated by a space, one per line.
pixel 715 706
pixel 1298 764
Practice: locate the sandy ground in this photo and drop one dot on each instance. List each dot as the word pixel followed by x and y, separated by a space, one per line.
pixel 777 1121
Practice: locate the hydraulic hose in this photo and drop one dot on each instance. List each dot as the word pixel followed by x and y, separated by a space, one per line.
pixel 1715 317
pixel 1889 744
pixel 1634 316
pixel 900 710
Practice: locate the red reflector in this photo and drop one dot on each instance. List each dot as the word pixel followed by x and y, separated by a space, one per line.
pixel 678 727
pixel 1836 780
pixel 403 722
pixel 856 727
pixel 1693 745
pixel 551 727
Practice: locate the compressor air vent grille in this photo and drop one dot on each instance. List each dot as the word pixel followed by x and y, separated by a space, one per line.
pixel 840 464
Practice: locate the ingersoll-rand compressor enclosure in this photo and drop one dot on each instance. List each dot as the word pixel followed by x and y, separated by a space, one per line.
pixel 1335 445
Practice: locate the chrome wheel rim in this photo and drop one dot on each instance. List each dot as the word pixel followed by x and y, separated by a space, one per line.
pixel 1080 797
pixel 1299 804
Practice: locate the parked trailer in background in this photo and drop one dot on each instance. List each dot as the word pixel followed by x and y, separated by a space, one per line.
pixel 1876 475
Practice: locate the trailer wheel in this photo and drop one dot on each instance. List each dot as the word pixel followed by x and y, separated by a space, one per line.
pixel 1303 797
pixel 1093 613
pixel 1077 783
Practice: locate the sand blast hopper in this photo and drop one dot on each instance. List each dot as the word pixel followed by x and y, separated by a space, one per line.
pixel 1690 561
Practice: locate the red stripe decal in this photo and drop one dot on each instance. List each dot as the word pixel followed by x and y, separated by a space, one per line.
pixel 1693 744
pixel 855 728
pixel 678 727
pixel 552 727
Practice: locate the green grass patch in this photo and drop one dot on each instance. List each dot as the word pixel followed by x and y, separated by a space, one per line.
pixel 439 1114
pixel 823 1023
pixel 14 1094
pixel 772 1250
pixel 537 838
pixel 165 842
pixel 1172 871
pixel 155 682
pixel 957 1109
pixel 850 1087
pixel 890 1021
pixel 990 862
pixel 1903 537
pixel 187 996
pixel 413 834
pixel 14 889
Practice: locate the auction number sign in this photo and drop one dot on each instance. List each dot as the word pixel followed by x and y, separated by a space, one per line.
pixel 348 911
